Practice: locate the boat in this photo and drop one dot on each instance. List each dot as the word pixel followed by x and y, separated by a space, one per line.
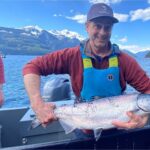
pixel 16 134
pixel 2 55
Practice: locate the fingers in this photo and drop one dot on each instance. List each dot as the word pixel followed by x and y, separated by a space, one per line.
pixel 45 113
pixel 138 120
pixel 135 121
pixel 52 106
pixel 125 125
pixel 133 116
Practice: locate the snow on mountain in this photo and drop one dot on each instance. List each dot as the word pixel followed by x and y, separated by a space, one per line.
pixel 66 33
pixel 29 28
pixel 34 30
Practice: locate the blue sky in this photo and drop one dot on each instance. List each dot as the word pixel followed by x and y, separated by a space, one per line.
pixel 133 31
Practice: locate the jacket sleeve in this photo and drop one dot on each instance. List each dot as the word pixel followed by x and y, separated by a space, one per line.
pixel 135 75
pixel 56 62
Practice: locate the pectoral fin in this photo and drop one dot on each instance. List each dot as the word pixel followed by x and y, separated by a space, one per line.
pixel 67 126
pixel 97 133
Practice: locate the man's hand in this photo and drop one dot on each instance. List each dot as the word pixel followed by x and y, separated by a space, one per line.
pixel 1 98
pixel 44 112
pixel 136 121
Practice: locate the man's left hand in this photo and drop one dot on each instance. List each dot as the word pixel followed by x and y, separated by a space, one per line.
pixel 136 121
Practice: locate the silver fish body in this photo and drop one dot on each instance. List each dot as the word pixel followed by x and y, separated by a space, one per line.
pixel 99 114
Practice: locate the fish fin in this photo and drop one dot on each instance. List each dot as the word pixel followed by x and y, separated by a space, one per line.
pixel 66 126
pixel 97 133
pixel 34 124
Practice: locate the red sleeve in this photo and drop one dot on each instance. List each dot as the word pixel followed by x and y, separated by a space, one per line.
pixel 2 79
pixel 56 62
pixel 134 74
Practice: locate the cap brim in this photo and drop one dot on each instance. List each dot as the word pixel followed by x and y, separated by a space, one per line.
pixel 113 19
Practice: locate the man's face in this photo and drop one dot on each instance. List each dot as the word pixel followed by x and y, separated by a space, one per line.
pixel 99 31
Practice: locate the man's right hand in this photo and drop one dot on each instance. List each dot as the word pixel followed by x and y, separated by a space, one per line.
pixel 44 112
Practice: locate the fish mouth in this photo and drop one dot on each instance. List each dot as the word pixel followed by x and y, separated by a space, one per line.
pixel 143 102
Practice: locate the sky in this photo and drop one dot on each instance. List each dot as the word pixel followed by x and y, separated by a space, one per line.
pixel 132 32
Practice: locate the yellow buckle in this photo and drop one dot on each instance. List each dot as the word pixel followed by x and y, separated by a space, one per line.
pixel 113 62
pixel 87 63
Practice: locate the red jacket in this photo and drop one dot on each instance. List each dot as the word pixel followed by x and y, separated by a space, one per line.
pixel 2 79
pixel 68 61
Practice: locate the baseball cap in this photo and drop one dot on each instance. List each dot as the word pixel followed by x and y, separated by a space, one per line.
pixel 101 10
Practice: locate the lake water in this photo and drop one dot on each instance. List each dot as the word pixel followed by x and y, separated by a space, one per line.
pixel 14 91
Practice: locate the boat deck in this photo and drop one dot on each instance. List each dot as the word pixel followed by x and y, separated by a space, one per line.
pixel 15 133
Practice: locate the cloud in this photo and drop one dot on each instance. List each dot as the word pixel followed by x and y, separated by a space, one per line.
pixel 71 11
pixel 140 14
pixel 123 40
pixel 148 1
pixel 134 48
pixel 82 18
pixel 79 18
pixel 121 17
pixel 104 1
pixel 57 15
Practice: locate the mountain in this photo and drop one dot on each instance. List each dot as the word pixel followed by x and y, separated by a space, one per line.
pixel 66 33
pixel 143 54
pixel 148 55
pixel 129 53
pixel 139 55
pixel 32 40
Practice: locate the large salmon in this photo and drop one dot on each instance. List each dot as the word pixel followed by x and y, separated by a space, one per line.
pixel 100 113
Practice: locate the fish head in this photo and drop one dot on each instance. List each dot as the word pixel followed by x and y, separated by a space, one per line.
pixel 143 102
pixel 56 89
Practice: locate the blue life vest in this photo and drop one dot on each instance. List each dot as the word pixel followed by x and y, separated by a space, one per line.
pixel 100 82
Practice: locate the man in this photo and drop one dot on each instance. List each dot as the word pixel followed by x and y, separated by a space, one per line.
pixel 97 69
pixel 2 80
